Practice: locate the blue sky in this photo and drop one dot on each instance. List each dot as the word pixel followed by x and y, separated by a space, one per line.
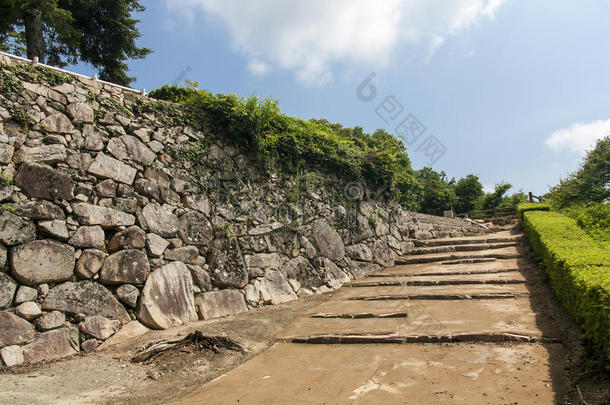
pixel 513 90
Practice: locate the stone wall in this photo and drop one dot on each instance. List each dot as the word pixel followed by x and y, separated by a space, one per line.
pixel 114 212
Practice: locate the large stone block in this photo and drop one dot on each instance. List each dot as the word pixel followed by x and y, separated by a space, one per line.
pixel 89 237
pixel 195 229
pixel 327 240
pixel 108 167
pixel 218 304
pixel 52 345
pixel 300 269
pixel 275 289
pixel 167 298
pixel 14 230
pixel 14 330
pixel 85 297
pixel 57 123
pixel 42 261
pixel 226 263
pixel 38 181
pixel 125 267
pixel 81 113
pixel 49 154
pixel 138 151
pixel 106 217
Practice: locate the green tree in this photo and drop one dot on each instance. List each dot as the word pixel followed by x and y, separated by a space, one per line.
pixel 436 194
pixel 590 183
pixel 493 200
pixel 99 32
pixel 468 191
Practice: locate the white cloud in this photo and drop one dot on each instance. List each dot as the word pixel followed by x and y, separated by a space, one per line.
pixel 578 137
pixel 257 67
pixel 310 37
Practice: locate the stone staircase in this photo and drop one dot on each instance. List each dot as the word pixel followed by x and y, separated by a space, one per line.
pixel 458 321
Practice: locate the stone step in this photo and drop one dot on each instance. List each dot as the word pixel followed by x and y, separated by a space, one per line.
pixel 440 279
pixel 505 253
pixel 419 318
pixel 399 283
pixel 432 292
pixel 461 248
pixel 468 241
pixel 443 273
pixel 460 373
pixel 488 337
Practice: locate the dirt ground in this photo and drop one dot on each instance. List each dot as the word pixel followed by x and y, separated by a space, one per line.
pixel 108 376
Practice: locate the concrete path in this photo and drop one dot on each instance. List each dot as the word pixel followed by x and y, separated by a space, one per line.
pixel 461 321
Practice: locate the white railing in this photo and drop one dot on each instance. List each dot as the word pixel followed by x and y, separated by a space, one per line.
pixel 94 77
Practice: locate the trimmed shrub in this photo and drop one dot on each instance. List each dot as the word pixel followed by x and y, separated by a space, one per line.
pixel 524 207
pixel 579 271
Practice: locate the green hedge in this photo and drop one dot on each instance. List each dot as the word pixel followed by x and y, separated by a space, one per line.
pixel 579 271
pixel 524 207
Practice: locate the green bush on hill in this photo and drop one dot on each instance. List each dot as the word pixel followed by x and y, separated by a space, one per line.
pixel 283 142
pixel 594 219
pixel 579 271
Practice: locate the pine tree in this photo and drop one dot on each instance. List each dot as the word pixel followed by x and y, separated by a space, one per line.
pixel 100 32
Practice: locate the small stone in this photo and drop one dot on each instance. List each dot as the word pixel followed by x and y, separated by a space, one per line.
pixel 6 153
pixel 14 330
pixel 199 203
pixel 186 254
pixel 12 355
pixel 89 263
pixel 220 303
pixel 99 327
pixel 28 310
pixel 160 220
pixel 89 345
pixel 52 345
pixel 195 229
pixel 81 113
pixel 359 252
pixel 201 278
pixel 253 294
pixel 131 238
pixel 128 295
pixel 89 237
pixel 42 261
pixel 50 320
pixel 55 228
pixel 275 289
pixel 7 290
pixel 15 230
pixel 25 294
pixel 155 244
pixel 147 188
pixel 57 123
pixel 43 289
pixel 106 188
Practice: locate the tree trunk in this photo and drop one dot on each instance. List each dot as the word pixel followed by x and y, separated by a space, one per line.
pixel 33 35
